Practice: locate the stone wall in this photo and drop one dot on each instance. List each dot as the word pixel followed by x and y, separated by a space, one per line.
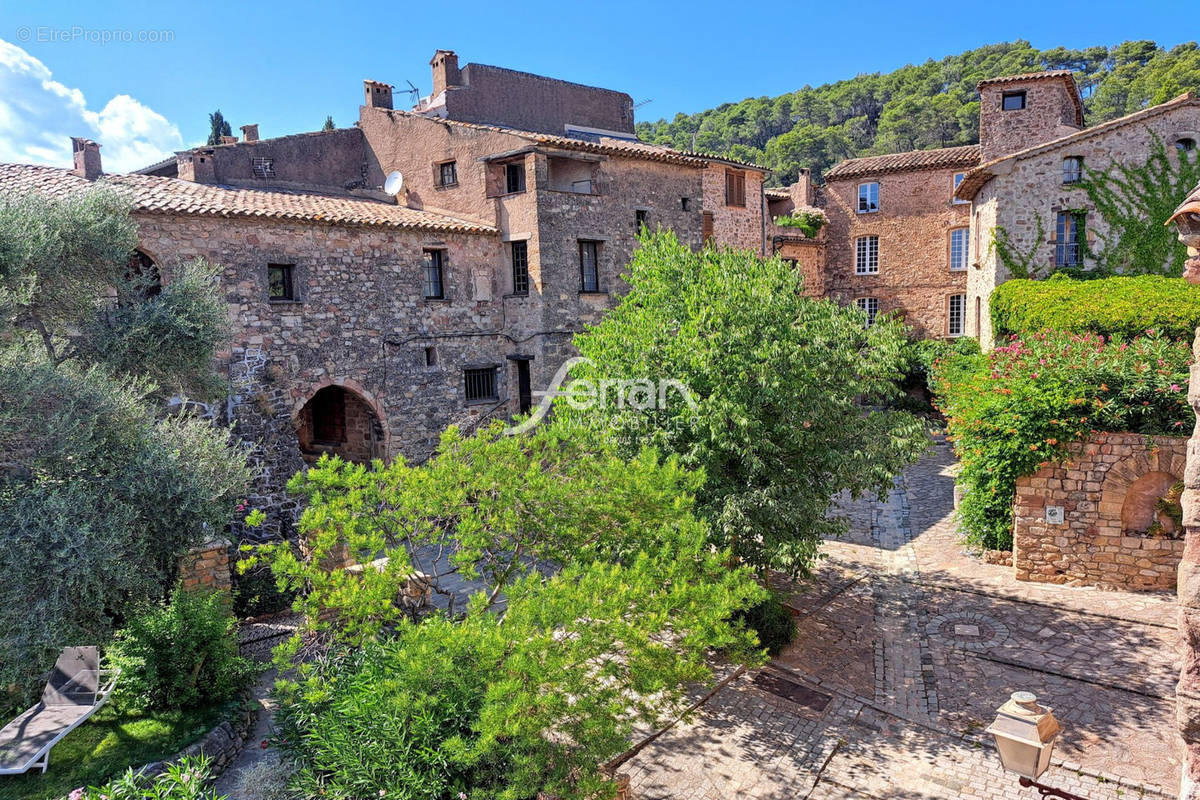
pixel 736 226
pixel 207 566
pixel 913 223
pixel 1052 109
pixel 1108 488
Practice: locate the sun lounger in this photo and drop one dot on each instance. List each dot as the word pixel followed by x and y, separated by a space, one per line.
pixel 76 689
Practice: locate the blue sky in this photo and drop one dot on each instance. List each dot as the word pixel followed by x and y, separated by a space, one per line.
pixel 285 65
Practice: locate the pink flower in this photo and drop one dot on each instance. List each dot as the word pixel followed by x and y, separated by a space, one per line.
pixel 1175 387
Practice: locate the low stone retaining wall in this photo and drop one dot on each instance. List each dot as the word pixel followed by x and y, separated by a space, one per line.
pixel 222 744
pixel 1108 490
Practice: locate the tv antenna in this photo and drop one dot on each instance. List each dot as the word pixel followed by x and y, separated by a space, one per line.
pixel 636 106
pixel 414 92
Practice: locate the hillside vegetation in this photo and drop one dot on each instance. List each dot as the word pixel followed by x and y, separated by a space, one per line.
pixel 920 106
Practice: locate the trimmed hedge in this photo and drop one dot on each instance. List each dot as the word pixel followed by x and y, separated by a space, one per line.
pixel 1121 306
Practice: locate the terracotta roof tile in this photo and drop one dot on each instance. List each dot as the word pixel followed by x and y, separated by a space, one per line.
pixel 1029 76
pixel 941 158
pixel 604 145
pixel 158 195
pixel 976 178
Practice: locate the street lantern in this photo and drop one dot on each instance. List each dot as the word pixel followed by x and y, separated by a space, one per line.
pixel 1024 734
pixel 1187 219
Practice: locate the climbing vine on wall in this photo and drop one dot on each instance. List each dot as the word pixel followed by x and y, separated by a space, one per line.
pixel 1019 263
pixel 1135 203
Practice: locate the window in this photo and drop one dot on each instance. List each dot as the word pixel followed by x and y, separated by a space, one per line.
pixel 1185 145
pixel 480 384
pixel 1012 101
pixel 639 219
pixel 958 178
pixel 328 408
pixel 514 177
pixel 262 167
pixel 448 174
pixel 430 356
pixel 958 248
pixel 520 266
pixel 866 255
pixel 868 198
pixel 281 281
pixel 435 262
pixel 143 272
pixel 1072 169
pixel 589 272
pixel 1068 237
pixel 870 307
pixel 956 320
pixel 685 203
pixel 735 188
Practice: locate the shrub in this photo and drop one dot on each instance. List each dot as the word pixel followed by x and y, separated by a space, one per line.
pixel 809 222
pixel 256 592
pixel 773 623
pixel 187 780
pixel 1019 406
pixel 1116 306
pixel 269 779
pixel 183 654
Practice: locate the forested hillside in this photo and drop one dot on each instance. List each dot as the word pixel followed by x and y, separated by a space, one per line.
pixel 919 106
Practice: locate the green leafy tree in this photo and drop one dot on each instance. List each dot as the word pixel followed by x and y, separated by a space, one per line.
pixel 328 126
pixel 218 127
pixel 597 600
pixel 99 491
pixel 788 392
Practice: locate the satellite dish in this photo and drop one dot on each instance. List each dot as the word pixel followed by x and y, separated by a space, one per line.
pixel 394 183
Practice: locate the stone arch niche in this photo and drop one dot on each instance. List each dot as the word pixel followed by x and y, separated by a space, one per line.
pixel 1140 511
pixel 337 420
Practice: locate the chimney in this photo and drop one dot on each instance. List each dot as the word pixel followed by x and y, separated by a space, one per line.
pixel 250 132
pixel 445 71
pixel 196 166
pixel 379 95
pixel 87 158
pixel 228 140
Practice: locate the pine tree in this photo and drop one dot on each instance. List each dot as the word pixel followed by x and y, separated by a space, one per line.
pixel 220 127
pixel 328 126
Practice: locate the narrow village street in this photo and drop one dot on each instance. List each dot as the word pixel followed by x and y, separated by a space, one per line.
pixel 905 648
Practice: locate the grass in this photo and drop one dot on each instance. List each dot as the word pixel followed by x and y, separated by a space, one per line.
pixel 105 746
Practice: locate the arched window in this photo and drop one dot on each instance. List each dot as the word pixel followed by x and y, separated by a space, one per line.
pixel 1185 145
pixel 144 272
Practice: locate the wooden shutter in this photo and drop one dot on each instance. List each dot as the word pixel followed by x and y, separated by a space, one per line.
pixel 706 226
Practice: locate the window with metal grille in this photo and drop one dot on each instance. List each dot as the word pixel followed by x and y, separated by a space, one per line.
pixel 447 174
pixel 958 248
pixel 866 255
pixel 589 271
pixel 868 198
pixel 870 307
pixel 480 384
pixel 281 281
pixel 957 317
pixel 435 261
pixel 514 177
pixel 735 188
pixel 958 178
pixel 1068 238
pixel 262 167
pixel 520 267
pixel 1012 101
pixel 1072 169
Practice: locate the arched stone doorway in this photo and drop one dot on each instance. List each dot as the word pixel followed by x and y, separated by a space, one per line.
pixel 341 422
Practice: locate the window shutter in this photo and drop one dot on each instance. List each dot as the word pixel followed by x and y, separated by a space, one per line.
pixel 706 226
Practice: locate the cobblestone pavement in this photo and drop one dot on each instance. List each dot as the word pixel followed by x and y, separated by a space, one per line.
pixel 906 645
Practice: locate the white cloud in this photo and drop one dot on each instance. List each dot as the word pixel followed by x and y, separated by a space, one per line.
pixel 38 115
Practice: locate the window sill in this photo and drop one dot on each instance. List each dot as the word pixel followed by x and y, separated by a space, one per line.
pixel 515 295
pixel 506 194
pixel 436 299
pixel 596 293
pixel 872 211
pixel 280 301
pixel 568 191
pixel 485 401
pixel 447 186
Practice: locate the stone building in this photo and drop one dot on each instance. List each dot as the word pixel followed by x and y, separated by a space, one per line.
pixel 914 233
pixel 1027 193
pixel 364 322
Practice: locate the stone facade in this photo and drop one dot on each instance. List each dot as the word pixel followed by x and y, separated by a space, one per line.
pixel 1023 194
pixel 207 566
pixel 1049 107
pixel 914 222
pixel 1113 536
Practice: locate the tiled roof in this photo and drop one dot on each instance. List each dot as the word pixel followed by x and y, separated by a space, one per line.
pixel 603 145
pixel 777 194
pixel 941 158
pixel 1191 205
pixel 1029 76
pixel 976 178
pixel 158 195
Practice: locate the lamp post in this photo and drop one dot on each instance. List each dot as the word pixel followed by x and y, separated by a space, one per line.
pixel 1025 732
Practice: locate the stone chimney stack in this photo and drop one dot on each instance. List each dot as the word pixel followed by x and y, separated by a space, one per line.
pixel 196 165
pixel 445 71
pixel 379 95
pixel 250 132
pixel 87 158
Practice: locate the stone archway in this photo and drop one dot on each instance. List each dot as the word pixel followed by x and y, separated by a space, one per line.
pixel 1133 486
pixel 338 420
